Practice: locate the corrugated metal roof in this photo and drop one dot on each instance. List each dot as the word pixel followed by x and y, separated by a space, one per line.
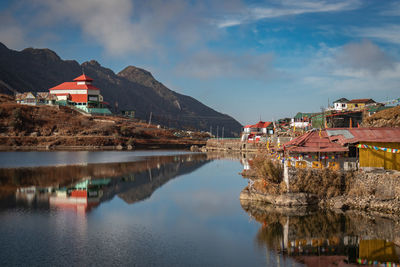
pixel 314 141
pixel 363 100
pixel 337 139
pixel 384 135
pixel 343 132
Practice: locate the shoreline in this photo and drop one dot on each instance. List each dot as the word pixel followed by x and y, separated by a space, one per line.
pixel 139 144
pixel 384 207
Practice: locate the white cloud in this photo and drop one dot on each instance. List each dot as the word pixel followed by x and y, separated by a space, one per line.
pixel 392 10
pixel 364 56
pixel 354 70
pixel 206 64
pixel 386 33
pixel 287 8
pixel 11 32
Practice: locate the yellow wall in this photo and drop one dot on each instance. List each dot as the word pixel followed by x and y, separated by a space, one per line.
pixel 379 158
pixel 353 106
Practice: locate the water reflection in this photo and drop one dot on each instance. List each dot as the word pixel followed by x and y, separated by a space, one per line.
pixel 326 238
pixel 83 187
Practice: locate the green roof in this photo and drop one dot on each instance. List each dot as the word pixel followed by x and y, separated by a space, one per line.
pixel 300 115
pixel 377 108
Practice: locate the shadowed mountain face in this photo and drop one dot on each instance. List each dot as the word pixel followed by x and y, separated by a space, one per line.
pixel 131 89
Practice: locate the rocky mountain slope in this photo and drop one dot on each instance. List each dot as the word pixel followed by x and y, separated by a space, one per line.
pixel 131 89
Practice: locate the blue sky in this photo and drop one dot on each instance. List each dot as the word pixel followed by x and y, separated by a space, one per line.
pixel 248 59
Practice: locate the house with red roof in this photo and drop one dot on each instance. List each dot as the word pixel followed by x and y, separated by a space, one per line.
pixel 253 133
pixel 369 147
pixel 82 94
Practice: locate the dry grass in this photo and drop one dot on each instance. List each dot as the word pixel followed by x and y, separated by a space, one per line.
pixel 267 169
pixel 323 183
pixel 385 118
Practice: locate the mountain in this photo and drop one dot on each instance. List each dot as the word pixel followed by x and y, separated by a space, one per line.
pixel 133 88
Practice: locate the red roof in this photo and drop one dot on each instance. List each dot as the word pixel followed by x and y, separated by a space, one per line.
pixel 356 135
pixel 362 100
pixel 74 86
pixel 83 77
pixel 260 124
pixel 336 139
pixel 313 141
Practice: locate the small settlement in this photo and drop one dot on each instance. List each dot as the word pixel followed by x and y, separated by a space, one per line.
pixel 80 94
pixel 332 139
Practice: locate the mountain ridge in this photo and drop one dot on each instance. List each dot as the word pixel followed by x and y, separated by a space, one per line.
pixel 133 88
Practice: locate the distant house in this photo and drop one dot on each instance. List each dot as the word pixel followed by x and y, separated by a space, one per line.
pixel 253 133
pixel 302 120
pixel 128 113
pixel 359 103
pixel 340 104
pixel 27 98
pixel 45 98
pixel 259 128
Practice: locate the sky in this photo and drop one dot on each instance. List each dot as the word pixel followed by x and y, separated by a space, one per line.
pixel 249 59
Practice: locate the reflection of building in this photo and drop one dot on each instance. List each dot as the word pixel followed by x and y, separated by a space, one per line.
pixel 131 181
pixel 82 196
pixel 323 236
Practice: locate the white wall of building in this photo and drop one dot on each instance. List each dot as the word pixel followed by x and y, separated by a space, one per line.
pixel 340 106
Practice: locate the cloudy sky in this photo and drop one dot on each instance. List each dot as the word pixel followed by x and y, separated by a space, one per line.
pixel 244 58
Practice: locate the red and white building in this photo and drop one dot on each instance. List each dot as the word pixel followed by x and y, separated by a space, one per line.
pixel 253 133
pixel 80 92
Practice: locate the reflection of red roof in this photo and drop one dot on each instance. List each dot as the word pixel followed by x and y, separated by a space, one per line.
pixel 313 142
pixel 74 86
pixel 82 78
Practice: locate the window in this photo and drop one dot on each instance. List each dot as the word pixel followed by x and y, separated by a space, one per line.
pixel 343 105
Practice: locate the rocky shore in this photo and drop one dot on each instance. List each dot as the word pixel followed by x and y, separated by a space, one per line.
pixel 374 190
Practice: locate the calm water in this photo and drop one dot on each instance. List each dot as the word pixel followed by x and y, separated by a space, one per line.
pixel 175 210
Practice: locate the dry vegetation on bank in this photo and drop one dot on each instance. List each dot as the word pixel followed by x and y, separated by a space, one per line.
pixel 385 118
pixel 323 183
pixel 22 125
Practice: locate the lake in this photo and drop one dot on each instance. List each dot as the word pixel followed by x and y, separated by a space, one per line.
pixel 166 208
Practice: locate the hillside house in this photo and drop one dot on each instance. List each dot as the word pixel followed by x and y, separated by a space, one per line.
pixel 27 98
pixel 41 98
pixel 359 103
pixel 45 98
pixel 253 133
pixel 340 104
pixel 302 120
pixel 82 94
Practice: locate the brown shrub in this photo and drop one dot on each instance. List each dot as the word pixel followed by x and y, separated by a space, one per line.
pixel 267 169
pixel 323 183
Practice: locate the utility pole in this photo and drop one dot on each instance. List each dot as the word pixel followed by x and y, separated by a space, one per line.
pixel 217 131
pixel 223 132
pixel 151 113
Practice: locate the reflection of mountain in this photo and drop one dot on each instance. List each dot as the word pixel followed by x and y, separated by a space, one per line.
pixel 81 186
pixel 312 236
pixel 140 186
